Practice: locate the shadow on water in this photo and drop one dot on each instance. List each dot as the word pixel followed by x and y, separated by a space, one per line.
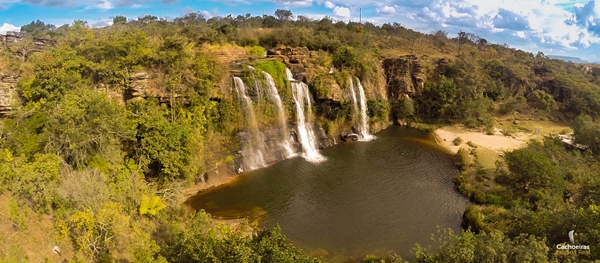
pixel 376 197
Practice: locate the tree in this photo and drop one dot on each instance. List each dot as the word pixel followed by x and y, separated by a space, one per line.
pixel 162 145
pixel 586 132
pixel 439 99
pixel 119 20
pixel 484 247
pixel 542 100
pixel 283 14
pixel 532 168
pixel 86 123
pixel 196 241
pixel 345 56
pixel 463 37
pixel 147 19
pixel 37 181
pixel 38 29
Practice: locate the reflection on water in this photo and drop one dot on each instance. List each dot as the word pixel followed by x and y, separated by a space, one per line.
pixel 375 197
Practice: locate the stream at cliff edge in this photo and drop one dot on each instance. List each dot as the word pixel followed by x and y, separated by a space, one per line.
pixel 376 197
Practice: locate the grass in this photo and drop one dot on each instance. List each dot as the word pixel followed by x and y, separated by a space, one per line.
pixel 423 127
pixel 487 158
pixel 528 127
pixel 256 51
pixel 275 68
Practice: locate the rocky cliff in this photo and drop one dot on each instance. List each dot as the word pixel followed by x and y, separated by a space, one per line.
pixel 8 93
pixel 404 76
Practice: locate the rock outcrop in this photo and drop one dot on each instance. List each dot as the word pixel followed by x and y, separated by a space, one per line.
pixel 404 75
pixel 12 37
pixel 327 89
pixel 298 60
pixel 8 93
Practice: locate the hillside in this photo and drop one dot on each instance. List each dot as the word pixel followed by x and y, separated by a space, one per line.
pixel 104 129
pixel 569 59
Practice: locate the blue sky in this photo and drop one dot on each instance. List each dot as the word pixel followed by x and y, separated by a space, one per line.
pixel 555 27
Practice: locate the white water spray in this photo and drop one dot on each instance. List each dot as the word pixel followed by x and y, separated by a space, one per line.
pixel 288 75
pixel 276 99
pixel 306 134
pixel 253 153
pixel 363 124
pixel 364 120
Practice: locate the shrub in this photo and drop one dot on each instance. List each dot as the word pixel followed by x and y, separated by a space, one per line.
pixel 257 51
pixel 457 141
pixel 463 158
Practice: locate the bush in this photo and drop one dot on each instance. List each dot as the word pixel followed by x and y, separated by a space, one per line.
pixel 378 109
pixel 345 57
pixel 542 100
pixel 256 51
pixel 463 158
pixel 498 200
pixel 457 141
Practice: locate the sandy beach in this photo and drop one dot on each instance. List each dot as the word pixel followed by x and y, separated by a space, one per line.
pixel 497 142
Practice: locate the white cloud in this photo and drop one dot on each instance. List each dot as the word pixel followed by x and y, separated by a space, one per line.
pixel 301 3
pixel 104 5
pixel 387 10
pixel 341 11
pixel 8 27
pixel 329 4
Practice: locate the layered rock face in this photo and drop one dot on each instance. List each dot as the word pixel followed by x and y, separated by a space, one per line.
pixel 8 93
pixel 404 76
pixel 297 59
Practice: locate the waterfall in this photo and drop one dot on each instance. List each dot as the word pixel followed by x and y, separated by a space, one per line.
pixel 364 120
pixel 288 74
pixel 253 152
pixel 354 100
pixel 306 134
pixel 363 125
pixel 274 96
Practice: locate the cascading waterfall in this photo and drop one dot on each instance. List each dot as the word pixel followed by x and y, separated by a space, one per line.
pixel 364 131
pixel 253 152
pixel 354 100
pixel 276 99
pixel 288 75
pixel 306 134
pixel 363 125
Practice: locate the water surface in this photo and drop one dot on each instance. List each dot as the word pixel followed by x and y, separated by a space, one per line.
pixel 376 197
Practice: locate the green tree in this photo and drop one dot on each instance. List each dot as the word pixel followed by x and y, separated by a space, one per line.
pixel 85 123
pixel 119 20
pixel 38 29
pixel 531 168
pixel 162 145
pixel 345 57
pixel 586 132
pixel 283 14
pixel 542 100
pixel 438 100
pixel 37 181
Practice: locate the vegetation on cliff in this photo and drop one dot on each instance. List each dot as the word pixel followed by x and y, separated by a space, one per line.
pixel 98 155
